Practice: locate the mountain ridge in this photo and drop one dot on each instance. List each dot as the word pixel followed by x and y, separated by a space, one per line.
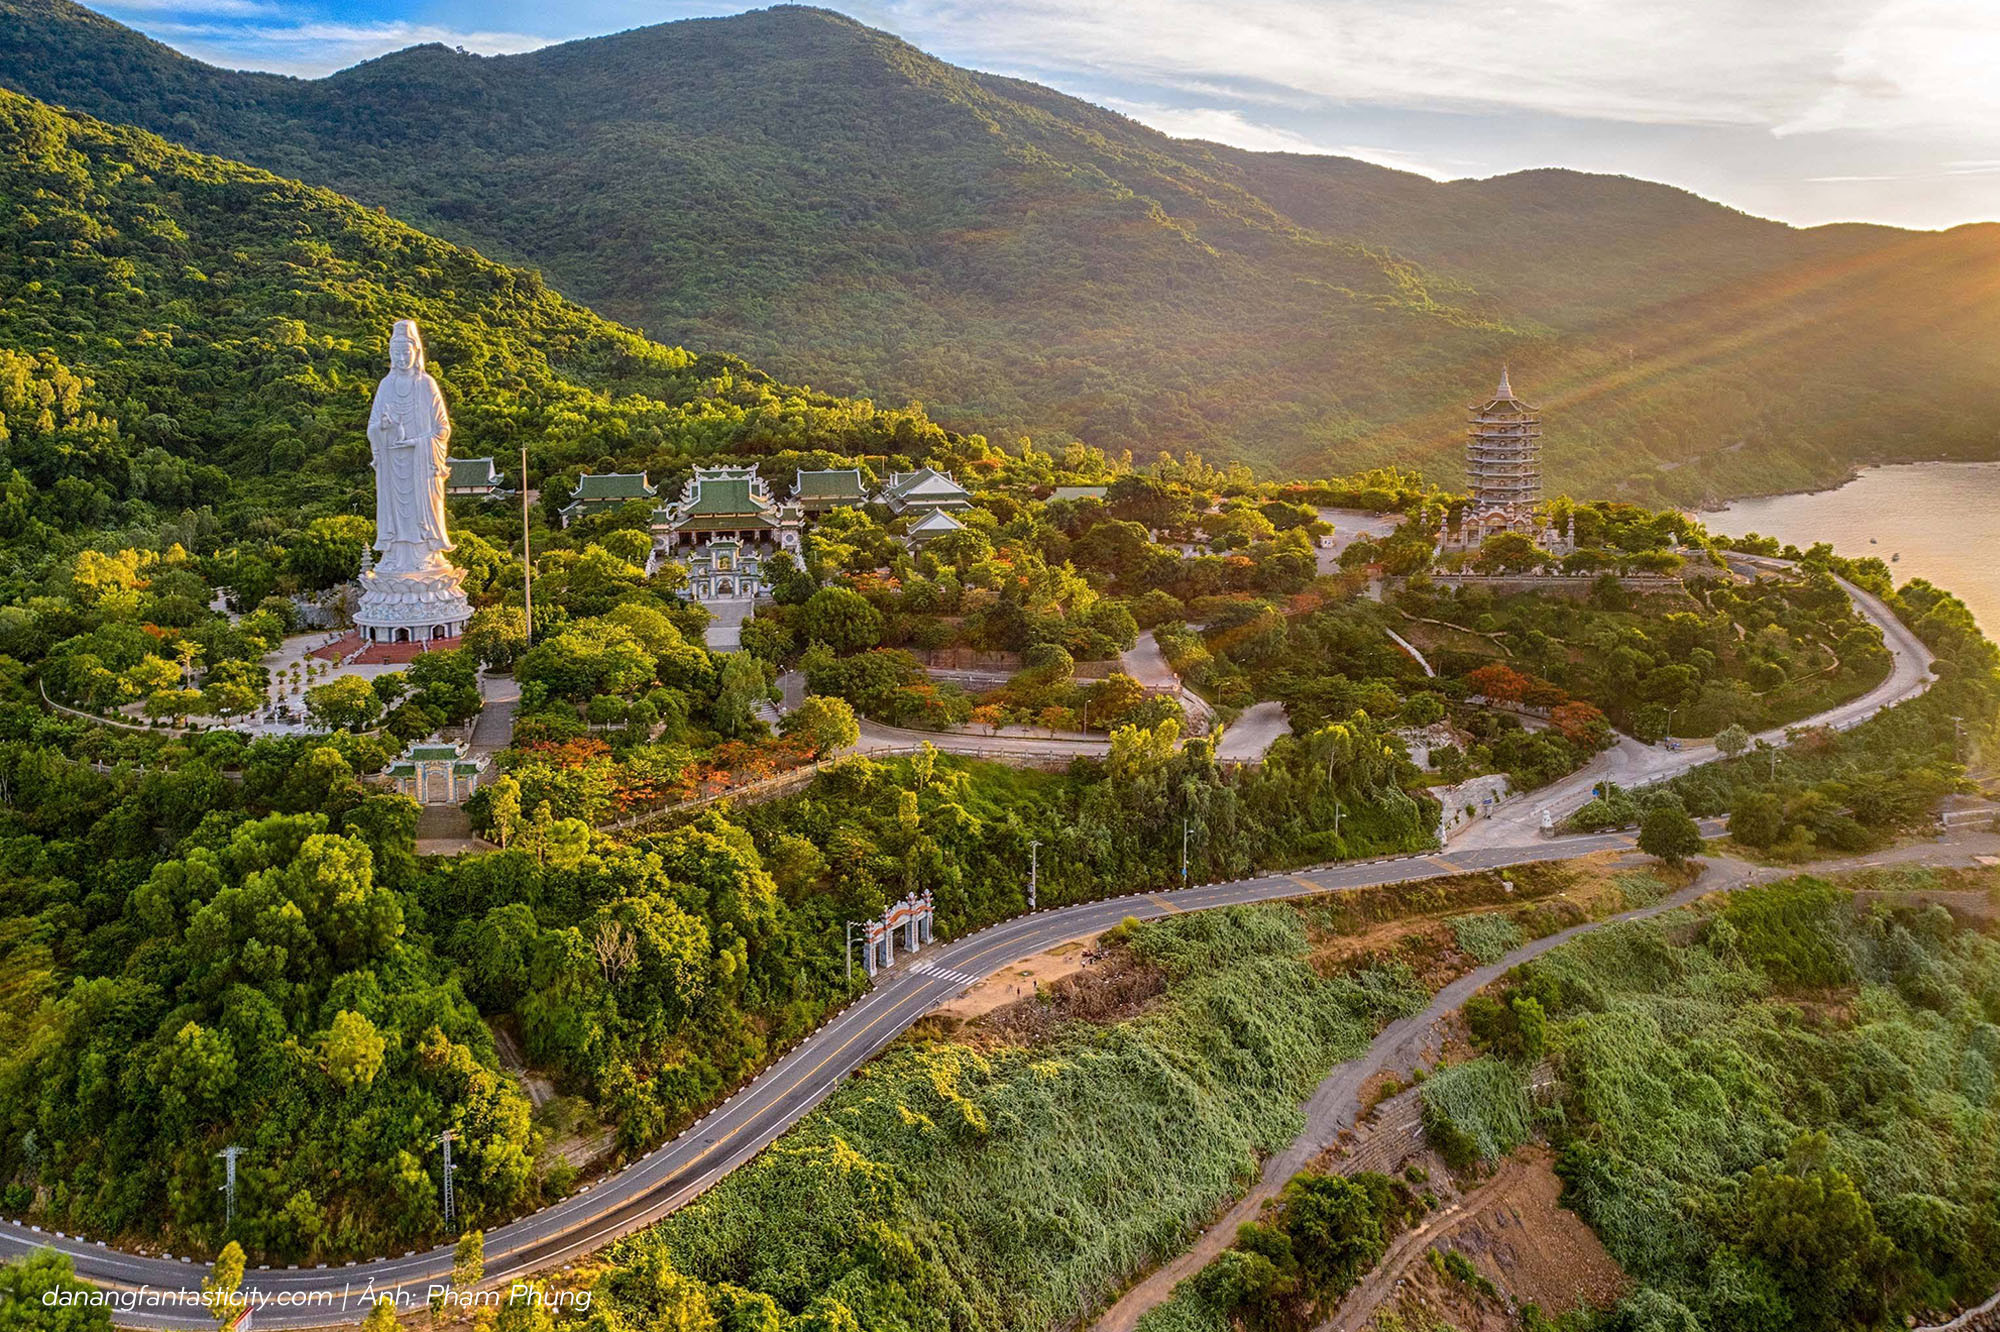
pixel 830 201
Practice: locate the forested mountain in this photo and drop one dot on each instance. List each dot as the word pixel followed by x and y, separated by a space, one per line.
pixel 180 333
pixel 851 212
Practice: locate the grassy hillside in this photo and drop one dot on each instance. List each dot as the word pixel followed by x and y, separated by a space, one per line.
pixel 853 213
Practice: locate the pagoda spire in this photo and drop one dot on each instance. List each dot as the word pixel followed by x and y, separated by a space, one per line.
pixel 1503 457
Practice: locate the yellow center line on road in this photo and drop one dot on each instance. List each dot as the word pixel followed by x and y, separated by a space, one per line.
pixel 1443 864
pixel 1164 905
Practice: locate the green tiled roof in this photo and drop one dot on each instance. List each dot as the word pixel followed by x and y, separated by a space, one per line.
pixel 471 473
pixel 833 484
pixel 731 496
pixel 925 482
pixel 935 523
pixel 611 486
pixel 422 753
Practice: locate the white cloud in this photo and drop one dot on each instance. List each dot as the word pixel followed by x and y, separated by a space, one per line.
pixel 1214 123
pixel 1912 65
pixel 1790 66
pixel 1219 124
pixel 314 49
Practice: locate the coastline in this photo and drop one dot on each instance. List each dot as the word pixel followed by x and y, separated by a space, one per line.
pixel 1855 473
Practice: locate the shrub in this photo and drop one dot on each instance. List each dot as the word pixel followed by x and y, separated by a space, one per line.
pixel 1475 1112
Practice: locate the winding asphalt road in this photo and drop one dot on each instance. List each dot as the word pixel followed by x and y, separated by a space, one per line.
pixel 1630 763
pixel 669 1177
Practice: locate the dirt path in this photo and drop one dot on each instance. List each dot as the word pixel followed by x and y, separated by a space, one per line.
pixel 1515 1229
pixel 1335 1104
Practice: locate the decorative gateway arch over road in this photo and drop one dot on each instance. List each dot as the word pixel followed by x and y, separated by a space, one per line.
pixel 912 915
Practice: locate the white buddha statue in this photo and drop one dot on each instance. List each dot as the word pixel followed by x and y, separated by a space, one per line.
pixel 408 432
pixel 412 592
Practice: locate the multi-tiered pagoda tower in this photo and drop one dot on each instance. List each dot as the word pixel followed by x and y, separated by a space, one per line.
pixel 1503 460
pixel 1503 464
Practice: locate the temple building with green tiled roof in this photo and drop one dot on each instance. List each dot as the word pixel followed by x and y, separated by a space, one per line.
pixel 474 476
pixel 925 488
pixel 731 505
pixel 601 492
pixel 934 523
pixel 832 488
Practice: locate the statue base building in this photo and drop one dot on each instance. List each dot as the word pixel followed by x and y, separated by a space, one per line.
pixel 412 607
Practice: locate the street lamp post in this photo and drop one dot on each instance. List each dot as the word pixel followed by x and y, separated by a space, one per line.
pixel 1184 850
pixel 1034 870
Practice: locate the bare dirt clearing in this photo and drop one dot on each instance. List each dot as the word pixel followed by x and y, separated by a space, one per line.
pixel 1514 1230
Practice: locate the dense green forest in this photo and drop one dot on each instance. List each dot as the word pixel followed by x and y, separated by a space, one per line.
pixel 850 212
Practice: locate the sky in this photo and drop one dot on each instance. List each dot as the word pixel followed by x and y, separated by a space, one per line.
pixel 1808 111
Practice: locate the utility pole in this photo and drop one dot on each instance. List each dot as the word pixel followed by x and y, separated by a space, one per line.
pixel 446 1138
pixel 1184 844
pixel 1034 868
pixel 527 564
pixel 1338 810
pixel 229 1155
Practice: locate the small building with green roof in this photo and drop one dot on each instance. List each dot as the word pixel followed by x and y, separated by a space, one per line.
pixel 925 488
pixel 436 772
pixel 601 492
pixel 474 476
